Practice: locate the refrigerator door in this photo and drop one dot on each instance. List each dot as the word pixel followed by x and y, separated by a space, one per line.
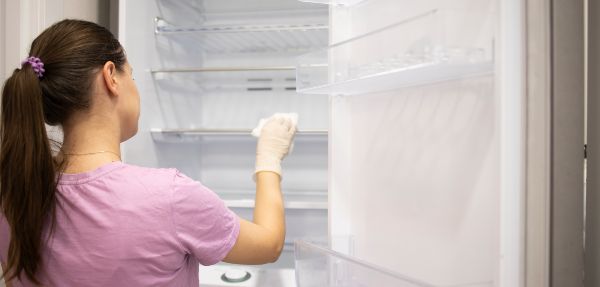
pixel 415 139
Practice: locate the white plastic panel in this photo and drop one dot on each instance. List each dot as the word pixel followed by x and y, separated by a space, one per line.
pixel 233 98
pixel 414 171
pixel 421 193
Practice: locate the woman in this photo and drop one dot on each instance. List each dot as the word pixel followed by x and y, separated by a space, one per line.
pixel 82 217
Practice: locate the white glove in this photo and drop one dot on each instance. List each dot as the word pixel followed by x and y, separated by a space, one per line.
pixel 274 143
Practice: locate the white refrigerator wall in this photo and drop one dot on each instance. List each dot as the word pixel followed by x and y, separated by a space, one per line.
pixel 414 173
pixel 186 101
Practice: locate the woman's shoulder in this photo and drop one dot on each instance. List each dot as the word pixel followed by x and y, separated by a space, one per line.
pixel 151 174
pixel 123 174
pixel 164 177
pixel 144 170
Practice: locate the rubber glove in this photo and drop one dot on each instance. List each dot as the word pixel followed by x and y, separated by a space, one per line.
pixel 274 143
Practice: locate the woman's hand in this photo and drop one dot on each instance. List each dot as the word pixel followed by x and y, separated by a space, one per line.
pixel 274 144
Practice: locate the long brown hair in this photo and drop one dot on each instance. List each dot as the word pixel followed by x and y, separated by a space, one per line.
pixel 72 52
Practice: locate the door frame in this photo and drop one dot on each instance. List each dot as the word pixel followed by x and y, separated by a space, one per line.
pixel 592 246
pixel 554 222
pixel 567 161
pixel 538 144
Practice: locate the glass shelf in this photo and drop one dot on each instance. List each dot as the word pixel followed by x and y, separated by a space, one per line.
pixel 315 200
pixel 336 2
pixel 248 38
pixel 425 49
pixel 201 80
pixel 198 12
pixel 230 97
pixel 221 69
pixel 194 135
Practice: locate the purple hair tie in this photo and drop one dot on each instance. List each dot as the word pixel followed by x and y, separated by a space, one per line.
pixel 36 64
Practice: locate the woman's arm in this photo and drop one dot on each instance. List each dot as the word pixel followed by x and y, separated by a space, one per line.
pixel 262 240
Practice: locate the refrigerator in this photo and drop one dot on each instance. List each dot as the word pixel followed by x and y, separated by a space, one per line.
pixel 404 170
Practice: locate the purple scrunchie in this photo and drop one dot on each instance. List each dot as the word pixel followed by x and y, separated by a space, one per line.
pixel 36 64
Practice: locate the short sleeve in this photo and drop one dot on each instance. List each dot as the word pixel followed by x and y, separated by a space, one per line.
pixel 204 226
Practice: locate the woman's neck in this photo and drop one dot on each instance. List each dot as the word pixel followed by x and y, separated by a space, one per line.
pixel 90 142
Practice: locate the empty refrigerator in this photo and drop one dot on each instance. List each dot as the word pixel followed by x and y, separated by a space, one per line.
pixel 401 162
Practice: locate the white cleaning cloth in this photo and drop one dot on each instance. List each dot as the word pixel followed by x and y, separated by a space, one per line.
pixel 292 116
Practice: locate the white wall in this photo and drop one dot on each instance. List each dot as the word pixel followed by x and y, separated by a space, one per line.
pixel 91 10
pixel 23 20
pixel 2 24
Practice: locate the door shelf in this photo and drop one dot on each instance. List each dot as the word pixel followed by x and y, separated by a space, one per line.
pixel 422 74
pixel 194 135
pixel 248 38
pixel 424 49
pixel 320 266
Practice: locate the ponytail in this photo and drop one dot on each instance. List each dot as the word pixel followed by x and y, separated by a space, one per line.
pixel 51 86
pixel 27 172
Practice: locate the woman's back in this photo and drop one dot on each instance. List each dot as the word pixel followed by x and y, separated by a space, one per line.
pixel 114 224
pixel 123 225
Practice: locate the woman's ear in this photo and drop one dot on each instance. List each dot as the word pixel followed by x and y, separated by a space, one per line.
pixel 109 74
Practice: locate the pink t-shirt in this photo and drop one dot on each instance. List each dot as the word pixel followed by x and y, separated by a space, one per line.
pixel 124 225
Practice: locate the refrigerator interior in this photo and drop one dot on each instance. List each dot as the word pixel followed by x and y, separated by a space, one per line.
pixel 207 71
pixel 397 162
pixel 414 145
